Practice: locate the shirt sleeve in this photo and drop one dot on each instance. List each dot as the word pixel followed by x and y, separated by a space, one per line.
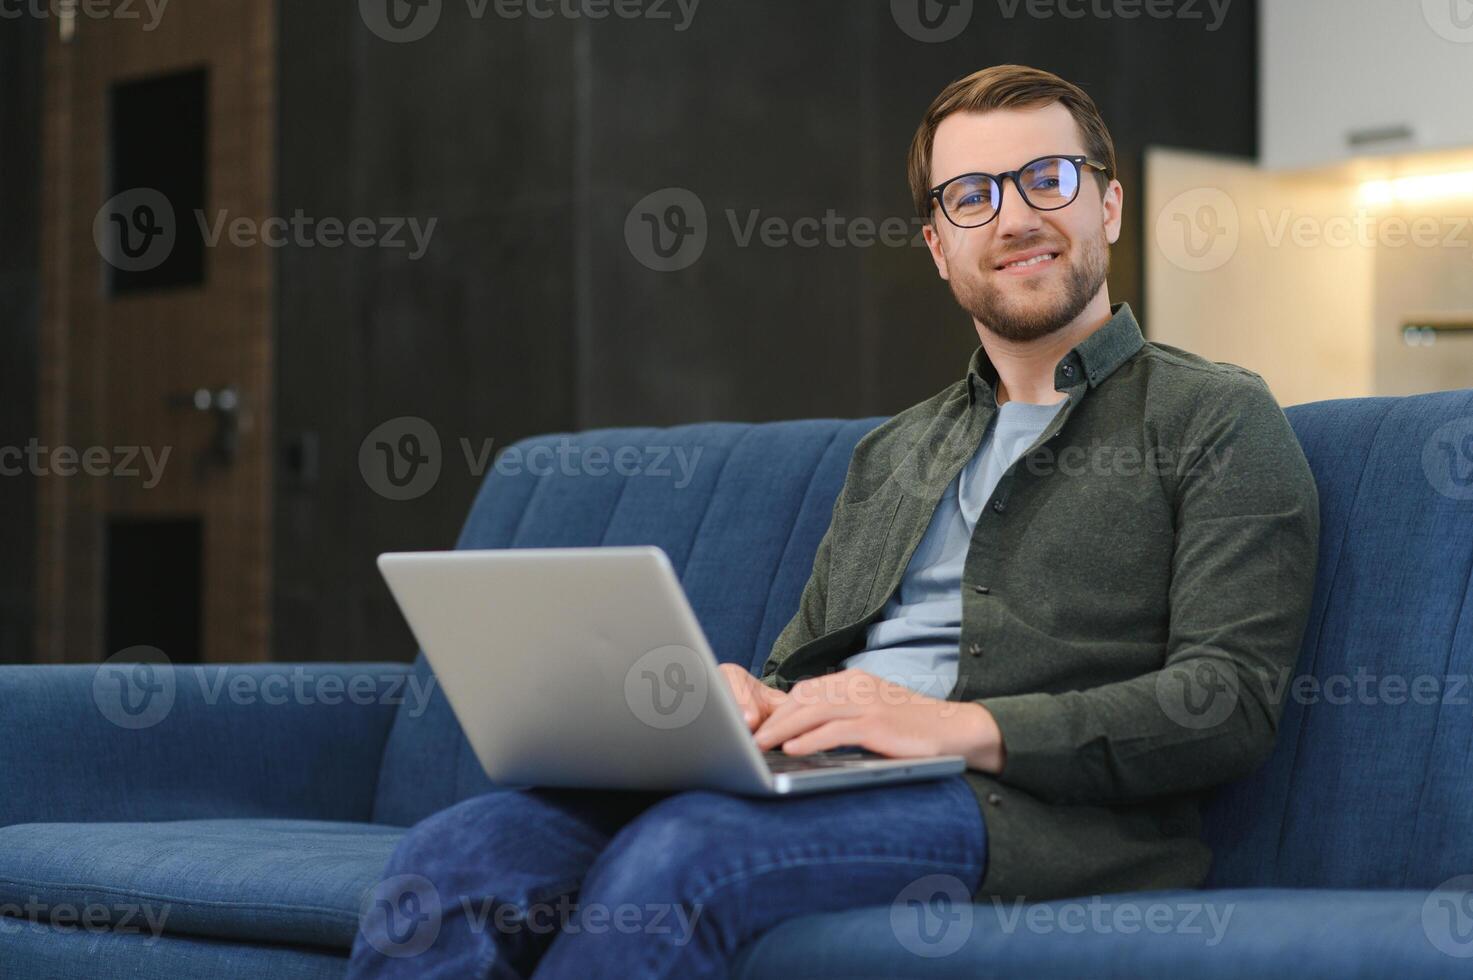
pixel 1242 581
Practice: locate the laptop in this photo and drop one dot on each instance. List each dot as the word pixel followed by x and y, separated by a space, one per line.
pixel 586 668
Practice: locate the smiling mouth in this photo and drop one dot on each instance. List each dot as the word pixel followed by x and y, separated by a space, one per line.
pixel 1030 263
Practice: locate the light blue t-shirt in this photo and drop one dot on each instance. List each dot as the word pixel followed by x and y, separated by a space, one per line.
pixel 917 639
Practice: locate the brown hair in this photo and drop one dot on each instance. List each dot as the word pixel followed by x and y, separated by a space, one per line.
pixel 1006 87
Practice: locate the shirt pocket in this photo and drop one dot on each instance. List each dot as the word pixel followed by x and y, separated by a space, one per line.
pixel 862 539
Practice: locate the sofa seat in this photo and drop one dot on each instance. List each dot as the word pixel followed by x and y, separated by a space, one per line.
pixel 37 951
pixel 1205 935
pixel 267 881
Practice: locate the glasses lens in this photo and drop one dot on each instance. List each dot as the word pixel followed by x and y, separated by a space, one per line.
pixel 1050 183
pixel 971 200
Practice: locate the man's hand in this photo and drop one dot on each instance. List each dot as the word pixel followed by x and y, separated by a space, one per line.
pixel 755 698
pixel 853 707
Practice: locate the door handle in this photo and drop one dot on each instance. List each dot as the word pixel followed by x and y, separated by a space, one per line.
pixel 223 404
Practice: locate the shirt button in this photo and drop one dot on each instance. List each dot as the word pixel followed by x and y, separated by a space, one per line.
pixel 1068 370
pixel 975 649
pixel 981 589
pixel 994 800
pixel 997 504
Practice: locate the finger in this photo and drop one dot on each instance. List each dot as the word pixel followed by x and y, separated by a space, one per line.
pixel 789 721
pixel 817 690
pixel 781 710
pixel 810 693
pixel 829 735
pixel 765 701
pixel 739 683
pixel 809 696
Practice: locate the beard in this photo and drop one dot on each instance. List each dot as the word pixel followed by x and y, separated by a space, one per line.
pixel 1033 308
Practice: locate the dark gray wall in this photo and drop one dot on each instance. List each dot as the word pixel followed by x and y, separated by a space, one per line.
pixel 474 129
pixel 796 108
pixel 530 140
pixel 21 45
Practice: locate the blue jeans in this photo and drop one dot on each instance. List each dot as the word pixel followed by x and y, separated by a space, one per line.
pixel 587 884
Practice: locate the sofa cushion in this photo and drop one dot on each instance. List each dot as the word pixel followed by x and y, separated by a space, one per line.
pixel 738 508
pixel 1335 935
pixel 275 881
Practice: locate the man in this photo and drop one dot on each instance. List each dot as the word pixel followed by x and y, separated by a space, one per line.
pixel 1079 567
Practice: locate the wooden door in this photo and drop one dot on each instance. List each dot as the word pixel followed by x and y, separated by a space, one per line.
pixel 155 425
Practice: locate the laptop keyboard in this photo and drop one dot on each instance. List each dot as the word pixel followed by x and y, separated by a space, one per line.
pixel 779 761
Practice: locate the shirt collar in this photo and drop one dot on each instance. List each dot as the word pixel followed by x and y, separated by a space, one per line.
pixel 1091 361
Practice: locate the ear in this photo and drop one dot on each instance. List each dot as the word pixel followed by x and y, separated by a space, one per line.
pixel 1113 207
pixel 938 254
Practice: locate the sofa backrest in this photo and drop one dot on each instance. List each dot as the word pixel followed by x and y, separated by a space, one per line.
pixel 1362 790
pixel 738 508
pixel 1369 784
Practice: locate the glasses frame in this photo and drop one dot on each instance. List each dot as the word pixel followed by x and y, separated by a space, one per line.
pixel 1079 161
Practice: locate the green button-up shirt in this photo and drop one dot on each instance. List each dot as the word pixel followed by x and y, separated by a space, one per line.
pixel 1139 580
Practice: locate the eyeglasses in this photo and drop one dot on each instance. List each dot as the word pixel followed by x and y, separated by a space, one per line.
pixel 1046 184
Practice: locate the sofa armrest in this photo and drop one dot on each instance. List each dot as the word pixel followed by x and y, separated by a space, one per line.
pixel 134 742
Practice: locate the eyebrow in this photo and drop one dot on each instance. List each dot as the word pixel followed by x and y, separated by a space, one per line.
pixel 1066 153
pixel 994 173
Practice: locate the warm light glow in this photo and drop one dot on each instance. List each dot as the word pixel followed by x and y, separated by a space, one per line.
pixel 1417 188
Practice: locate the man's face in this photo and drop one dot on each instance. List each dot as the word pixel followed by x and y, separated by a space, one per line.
pixel 1022 303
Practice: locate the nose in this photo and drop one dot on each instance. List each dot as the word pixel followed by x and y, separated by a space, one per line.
pixel 1014 217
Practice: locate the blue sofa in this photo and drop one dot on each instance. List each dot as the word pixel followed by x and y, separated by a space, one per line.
pixel 227 821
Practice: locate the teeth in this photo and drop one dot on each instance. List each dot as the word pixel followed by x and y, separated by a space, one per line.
pixel 1033 261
